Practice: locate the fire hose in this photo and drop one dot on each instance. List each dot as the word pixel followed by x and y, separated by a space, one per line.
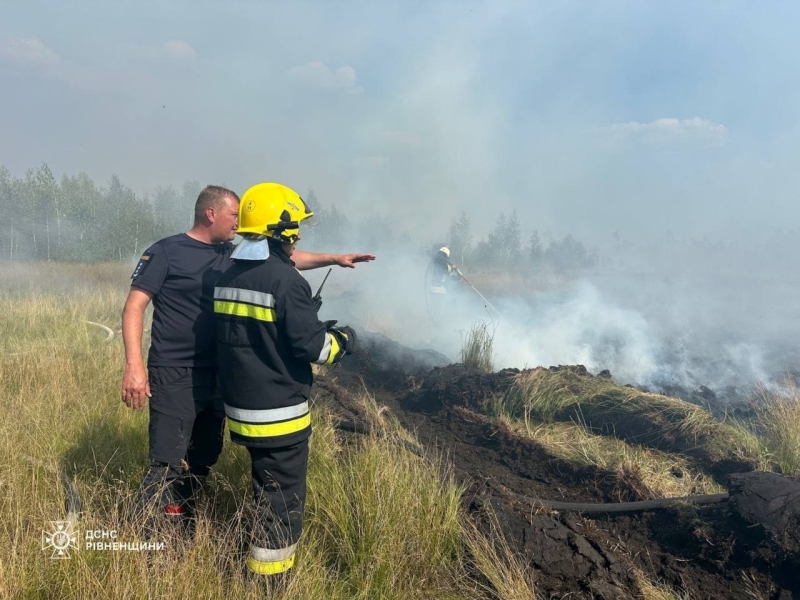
pixel 474 289
pixel 624 507
pixel 583 507
pixel 108 330
pixel 428 277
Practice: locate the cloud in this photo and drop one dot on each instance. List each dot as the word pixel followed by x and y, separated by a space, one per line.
pixel 30 50
pixel 179 50
pixel 318 75
pixel 668 130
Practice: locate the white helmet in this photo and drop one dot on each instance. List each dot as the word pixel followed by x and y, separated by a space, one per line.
pixel 445 250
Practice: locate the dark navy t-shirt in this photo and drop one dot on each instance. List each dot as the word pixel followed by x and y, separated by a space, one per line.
pixel 181 272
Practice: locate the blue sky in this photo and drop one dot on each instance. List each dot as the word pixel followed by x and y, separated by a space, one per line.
pixel 587 117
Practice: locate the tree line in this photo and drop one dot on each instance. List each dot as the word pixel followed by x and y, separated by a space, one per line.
pixel 505 247
pixel 76 220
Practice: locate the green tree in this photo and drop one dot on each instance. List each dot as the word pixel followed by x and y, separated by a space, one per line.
pixel 170 214
pixel 512 242
pixel 45 196
pixel 569 253
pixel 189 193
pixel 8 207
pixel 82 207
pixel 534 250
pixel 495 248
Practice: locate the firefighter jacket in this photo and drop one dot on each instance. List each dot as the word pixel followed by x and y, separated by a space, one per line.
pixel 268 334
pixel 443 274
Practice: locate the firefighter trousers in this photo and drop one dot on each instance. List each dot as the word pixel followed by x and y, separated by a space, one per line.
pixel 279 488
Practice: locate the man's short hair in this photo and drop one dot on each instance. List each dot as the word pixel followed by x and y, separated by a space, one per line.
pixel 212 196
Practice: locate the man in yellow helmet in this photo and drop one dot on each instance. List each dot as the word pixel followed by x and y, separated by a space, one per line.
pixel 268 335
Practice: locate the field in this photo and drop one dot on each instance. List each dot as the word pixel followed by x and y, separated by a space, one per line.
pixel 420 485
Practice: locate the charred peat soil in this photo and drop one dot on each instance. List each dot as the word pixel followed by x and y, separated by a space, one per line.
pixel 746 547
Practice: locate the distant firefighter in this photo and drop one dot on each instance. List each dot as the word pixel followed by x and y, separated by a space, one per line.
pixel 442 276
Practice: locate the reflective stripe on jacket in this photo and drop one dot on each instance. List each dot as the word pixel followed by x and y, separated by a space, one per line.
pixel 268 334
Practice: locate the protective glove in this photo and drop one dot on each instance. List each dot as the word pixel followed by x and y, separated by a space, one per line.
pixel 352 340
pixel 345 335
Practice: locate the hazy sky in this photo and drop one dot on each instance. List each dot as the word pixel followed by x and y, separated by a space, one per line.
pixel 588 117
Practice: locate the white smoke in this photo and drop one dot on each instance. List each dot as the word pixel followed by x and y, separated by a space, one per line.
pixel 624 322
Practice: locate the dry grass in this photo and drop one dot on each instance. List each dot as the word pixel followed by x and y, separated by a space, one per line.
pixel 654 590
pixel 645 418
pixel 647 472
pixel 776 427
pixel 381 522
pixel 507 574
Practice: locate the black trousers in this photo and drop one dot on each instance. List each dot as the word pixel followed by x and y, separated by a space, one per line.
pixel 279 487
pixel 186 434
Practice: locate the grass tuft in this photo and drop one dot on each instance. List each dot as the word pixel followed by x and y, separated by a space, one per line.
pixel 477 348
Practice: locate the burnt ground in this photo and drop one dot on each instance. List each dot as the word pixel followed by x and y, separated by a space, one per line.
pixel 746 548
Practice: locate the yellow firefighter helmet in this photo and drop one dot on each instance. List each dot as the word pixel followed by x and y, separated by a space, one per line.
pixel 272 210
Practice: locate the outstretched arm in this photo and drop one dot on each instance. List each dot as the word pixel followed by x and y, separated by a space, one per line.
pixel 305 261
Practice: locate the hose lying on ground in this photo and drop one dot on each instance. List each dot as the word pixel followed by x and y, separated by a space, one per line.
pixel 73 500
pixel 108 330
pixel 623 507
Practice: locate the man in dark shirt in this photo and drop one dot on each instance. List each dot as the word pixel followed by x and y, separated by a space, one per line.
pixel 187 417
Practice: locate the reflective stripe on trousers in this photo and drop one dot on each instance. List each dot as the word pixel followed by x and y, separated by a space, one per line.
pixel 266 561
pixel 269 422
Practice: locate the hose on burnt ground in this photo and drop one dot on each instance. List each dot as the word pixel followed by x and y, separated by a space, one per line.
pixel 624 507
pixel 583 507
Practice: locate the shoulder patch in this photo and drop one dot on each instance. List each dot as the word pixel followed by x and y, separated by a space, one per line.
pixel 142 264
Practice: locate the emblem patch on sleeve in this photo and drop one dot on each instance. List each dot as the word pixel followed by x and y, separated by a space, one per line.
pixel 142 264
